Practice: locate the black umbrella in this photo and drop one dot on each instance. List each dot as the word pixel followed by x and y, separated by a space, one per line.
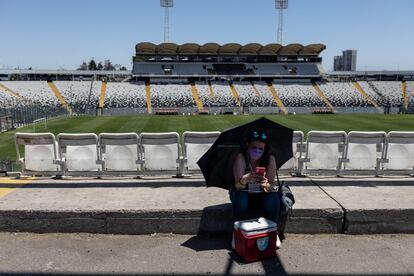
pixel 217 163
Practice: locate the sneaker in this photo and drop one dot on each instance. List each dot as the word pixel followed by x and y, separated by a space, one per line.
pixel 278 242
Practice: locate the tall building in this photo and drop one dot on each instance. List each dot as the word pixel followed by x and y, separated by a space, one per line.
pixel 338 63
pixel 349 59
pixel 346 62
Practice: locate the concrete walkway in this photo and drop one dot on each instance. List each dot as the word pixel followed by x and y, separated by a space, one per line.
pixel 185 206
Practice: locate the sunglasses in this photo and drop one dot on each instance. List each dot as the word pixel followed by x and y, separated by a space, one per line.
pixel 261 135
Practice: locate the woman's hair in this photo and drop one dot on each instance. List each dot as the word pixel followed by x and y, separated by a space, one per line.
pixel 260 136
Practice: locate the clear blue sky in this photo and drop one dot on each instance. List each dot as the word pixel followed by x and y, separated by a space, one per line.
pixel 54 34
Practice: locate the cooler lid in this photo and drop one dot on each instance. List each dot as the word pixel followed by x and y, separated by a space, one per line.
pixel 254 224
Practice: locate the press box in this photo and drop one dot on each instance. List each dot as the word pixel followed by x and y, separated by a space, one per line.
pixel 255 239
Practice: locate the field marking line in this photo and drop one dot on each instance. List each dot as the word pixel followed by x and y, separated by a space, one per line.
pixel 13 181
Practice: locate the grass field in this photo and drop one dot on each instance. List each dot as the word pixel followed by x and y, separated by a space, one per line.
pixel 180 124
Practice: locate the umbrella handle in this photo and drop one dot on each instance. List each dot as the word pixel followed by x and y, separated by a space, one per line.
pixel 278 181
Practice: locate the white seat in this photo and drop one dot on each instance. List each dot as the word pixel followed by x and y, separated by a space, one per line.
pixel 161 153
pixel 119 152
pixel 399 153
pixel 40 153
pixel 324 151
pixel 79 154
pixel 196 144
pixel 294 165
pixel 364 152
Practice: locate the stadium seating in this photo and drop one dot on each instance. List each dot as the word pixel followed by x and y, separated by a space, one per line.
pixel 204 93
pixel 343 94
pixel 39 153
pixel 79 94
pixel 298 95
pixel 222 93
pixel 37 91
pixel 364 152
pixel 247 94
pixel 325 152
pixel 195 144
pixel 125 95
pixel 399 153
pixel 171 95
pixel 370 92
pixel 391 90
pixel 8 101
pixel 266 97
pixel 410 92
pixel 79 154
pixel 119 153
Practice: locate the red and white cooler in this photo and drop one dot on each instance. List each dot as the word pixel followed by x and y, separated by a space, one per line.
pixel 255 239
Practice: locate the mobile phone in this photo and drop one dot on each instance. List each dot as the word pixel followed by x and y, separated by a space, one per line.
pixel 260 171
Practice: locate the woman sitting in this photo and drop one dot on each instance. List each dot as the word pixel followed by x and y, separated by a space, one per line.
pixel 255 154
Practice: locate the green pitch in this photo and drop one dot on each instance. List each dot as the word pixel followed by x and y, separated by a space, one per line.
pixel 180 124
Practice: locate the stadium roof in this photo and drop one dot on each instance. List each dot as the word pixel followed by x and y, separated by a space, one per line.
pixel 228 49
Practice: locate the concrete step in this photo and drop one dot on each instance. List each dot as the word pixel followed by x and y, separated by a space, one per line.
pixel 185 206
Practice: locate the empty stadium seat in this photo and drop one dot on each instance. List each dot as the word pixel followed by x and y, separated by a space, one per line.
pixel 391 90
pixel 364 152
pixel 343 94
pixel 298 95
pixel 324 152
pixel 161 153
pixel 399 153
pixel 79 154
pixel 195 144
pixel 40 153
pixel 171 95
pixel 294 165
pixel 119 153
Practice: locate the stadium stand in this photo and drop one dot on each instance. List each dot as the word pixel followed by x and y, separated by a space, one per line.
pixel 8 101
pixel 371 92
pixel 171 95
pixel 247 94
pixel 204 93
pixel 124 95
pixel 266 97
pixel 392 92
pixel 222 94
pixel 343 94
pixel 298 95
pixel 410 92
pixel 79 94
pixel 37 91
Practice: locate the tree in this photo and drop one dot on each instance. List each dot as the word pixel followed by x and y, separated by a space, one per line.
pixel 99 67
pixel 92 65
pixel 83 66
pixel 123 68
pixel 108 65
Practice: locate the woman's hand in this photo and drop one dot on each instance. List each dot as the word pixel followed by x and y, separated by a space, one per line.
pixel 245 180
pixel 266 186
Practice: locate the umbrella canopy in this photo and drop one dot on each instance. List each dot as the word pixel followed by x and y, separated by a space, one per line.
pixel 217 163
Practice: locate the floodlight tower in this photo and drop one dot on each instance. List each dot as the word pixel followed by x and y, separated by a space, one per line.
pixel 280 5
pixel 167 4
